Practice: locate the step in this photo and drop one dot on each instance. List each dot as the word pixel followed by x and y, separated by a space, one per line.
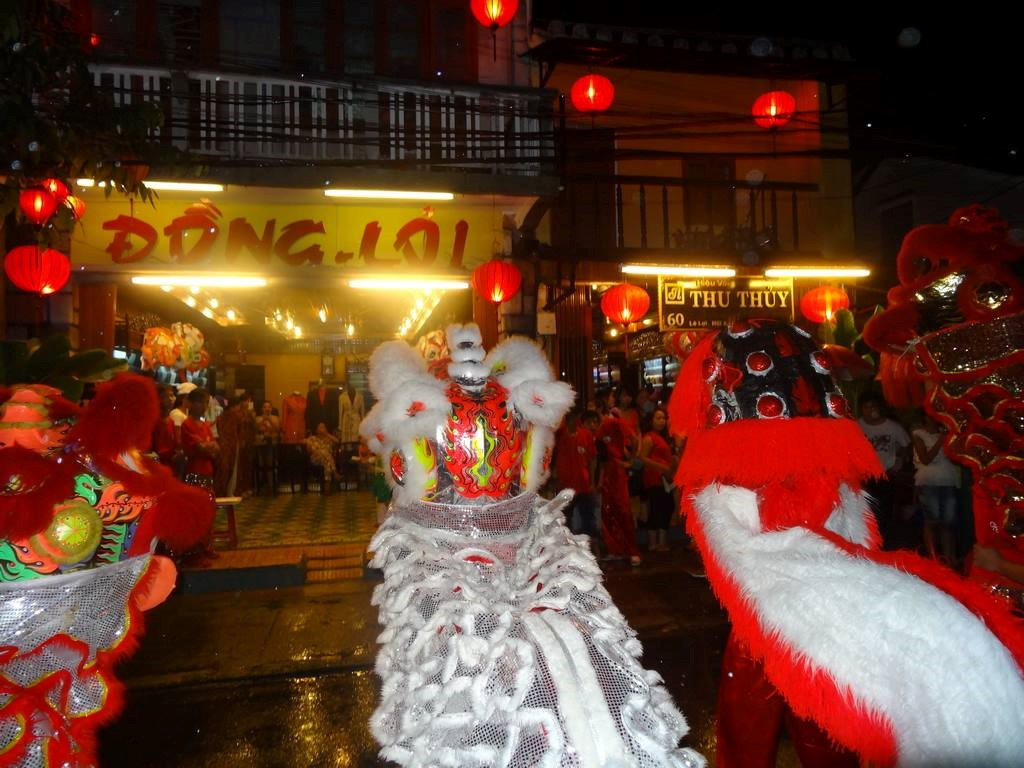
pixel 246 569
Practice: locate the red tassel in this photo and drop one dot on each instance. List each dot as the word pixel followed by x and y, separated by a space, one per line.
pixel 688 405
pixel 43 484
pixel 121 417
pixel 181 518
pixel 754 453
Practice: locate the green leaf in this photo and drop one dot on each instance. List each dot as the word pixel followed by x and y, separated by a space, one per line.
pixel 15 355
pixel 47 357
pixel 69 386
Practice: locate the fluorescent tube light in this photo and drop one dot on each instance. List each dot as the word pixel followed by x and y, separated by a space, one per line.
pixel 218 281
pixel 408 283
pixel 167 186
pixel 677 271
pixel 817 272
pixel 388 194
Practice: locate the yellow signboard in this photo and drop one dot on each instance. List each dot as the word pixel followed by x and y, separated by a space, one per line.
pixel 710 302
pixel 282 230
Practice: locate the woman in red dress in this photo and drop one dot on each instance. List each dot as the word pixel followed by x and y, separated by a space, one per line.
pixel 617 527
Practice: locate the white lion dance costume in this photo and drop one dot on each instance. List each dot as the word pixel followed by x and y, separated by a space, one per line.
pixel 895 657
pixel 500 645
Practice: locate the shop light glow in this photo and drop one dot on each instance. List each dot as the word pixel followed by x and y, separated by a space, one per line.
pixel 677 271
pixel 817 272
pixel 209 281
pixel 408 283
pixel 164 186
pixel 388 194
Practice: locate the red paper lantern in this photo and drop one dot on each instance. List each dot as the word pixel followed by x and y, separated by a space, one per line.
pixel 494 13
pixel 57 188
pixel 625 303
pixel 40 271
pixel 821 304
pixel 497 280
pixel 773 109
pixel 592 93
pixel 37 204
pixel 77 206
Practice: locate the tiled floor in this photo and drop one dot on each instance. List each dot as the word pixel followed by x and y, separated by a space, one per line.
pixel 299 519
pixel 324 535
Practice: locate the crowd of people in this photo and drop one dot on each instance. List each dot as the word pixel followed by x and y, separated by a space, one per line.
pixel 620 457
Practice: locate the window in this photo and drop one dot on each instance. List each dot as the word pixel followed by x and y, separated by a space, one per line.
pixel 114 22
pixel 250 34
pixel 308 36
pixel 358 37
pixel 178 31
pixel 402 24
pixel 450 35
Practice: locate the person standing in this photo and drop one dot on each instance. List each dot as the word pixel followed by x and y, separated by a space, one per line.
pixel 166 443
pixel 236 434
pixel 891 443
pixel 937 482
pixel 574 454
pixel 198 443
pixel 618 529
pixel 659 463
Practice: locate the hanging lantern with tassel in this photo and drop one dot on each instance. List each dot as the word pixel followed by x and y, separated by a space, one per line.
pixel 819 305
pixel 625 303
pixel 497 280
pixel 592 93
pixel 57 188
pixel 38 204
pixel 38 270
pixel 773 109
pixel 494 14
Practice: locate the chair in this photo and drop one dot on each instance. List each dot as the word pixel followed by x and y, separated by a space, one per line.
pixel 291 462
pixel 224 530
pixel 264 468
pixel 346 458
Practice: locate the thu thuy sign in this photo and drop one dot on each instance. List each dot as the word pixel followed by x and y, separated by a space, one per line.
pixel 716 301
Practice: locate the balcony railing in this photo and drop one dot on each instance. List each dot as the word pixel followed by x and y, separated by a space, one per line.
pixel 374 123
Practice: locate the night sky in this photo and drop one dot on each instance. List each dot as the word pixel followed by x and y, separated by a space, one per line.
pixel 953 94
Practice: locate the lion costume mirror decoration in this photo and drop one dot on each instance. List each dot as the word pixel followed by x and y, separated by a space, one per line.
pixel 500 646
pixel 81 508
pixel 952 339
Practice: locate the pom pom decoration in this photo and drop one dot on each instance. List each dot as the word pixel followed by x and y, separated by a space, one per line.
pixel 179 347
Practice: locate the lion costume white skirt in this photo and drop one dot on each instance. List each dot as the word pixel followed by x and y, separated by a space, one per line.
pixel 500 646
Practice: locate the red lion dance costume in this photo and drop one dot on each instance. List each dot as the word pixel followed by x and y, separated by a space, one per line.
pixel 893 656
pixel 952 337
pixel 80 509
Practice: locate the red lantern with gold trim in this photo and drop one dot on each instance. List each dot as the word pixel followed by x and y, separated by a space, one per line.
pixel 497 280
pixel 773 109
pixel 34 269
pixel 625 303
pixel 592 93
pixel 820 304
pixel 494 13
pixel 38 204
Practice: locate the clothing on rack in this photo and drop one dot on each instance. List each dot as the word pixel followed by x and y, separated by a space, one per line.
pixel 293 418
pixel 350 414
pixel 322 408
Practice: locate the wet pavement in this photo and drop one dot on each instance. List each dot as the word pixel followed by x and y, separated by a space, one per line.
pixel 284 678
